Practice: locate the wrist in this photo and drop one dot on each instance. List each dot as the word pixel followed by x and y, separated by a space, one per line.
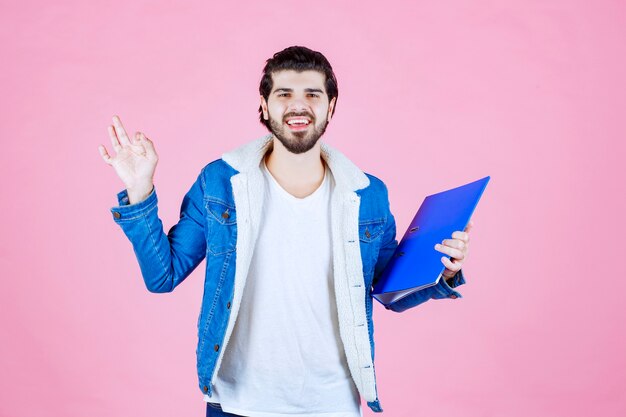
pixel 139 194
pixel 448 277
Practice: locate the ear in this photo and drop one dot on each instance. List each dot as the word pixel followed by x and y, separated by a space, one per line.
pixel 331 107
pixel 264 108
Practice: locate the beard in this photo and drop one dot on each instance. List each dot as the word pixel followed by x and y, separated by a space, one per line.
pixel 297 142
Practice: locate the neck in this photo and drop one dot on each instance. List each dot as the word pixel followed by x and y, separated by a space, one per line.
pixel 300 174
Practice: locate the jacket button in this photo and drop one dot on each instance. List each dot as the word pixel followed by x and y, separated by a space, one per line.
pixel 367 234
pixel 225 215
pixel 217 347
pixel 117 214
pixel 205 388
pixel 228 305
pixel 452 296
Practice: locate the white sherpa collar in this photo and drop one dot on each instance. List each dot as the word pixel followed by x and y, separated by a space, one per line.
pixel 346 174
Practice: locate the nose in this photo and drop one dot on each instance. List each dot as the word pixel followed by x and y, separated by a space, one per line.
pixel 297 105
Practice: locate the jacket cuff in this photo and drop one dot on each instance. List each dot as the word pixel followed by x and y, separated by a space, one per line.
pixel 445 286
pixel 126 212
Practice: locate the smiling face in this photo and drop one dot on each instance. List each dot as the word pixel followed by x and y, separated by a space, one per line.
pixel 297 108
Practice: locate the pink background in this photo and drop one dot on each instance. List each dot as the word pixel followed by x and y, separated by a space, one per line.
pixel 431 97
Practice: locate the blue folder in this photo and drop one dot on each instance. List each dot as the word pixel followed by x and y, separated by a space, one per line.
pixel 416 264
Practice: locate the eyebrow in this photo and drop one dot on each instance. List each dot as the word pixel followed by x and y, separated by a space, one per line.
pixel 308 90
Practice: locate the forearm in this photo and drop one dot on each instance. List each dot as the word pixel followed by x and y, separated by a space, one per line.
pixel 143 228
pixel 443 289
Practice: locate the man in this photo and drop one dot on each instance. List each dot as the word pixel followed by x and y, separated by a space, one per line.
pixel 297 225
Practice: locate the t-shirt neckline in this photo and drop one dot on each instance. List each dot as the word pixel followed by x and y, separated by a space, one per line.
pixel 318 191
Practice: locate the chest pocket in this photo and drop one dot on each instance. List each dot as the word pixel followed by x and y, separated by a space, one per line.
pixel 222 226
pixel 371 230
pixel 370 238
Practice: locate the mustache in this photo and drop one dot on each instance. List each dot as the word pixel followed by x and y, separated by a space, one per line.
pixel 307 115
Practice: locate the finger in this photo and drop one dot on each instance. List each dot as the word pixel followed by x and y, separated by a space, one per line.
pixel 116 144
pixel 469 226
pixel 137 146
pixel 104 154
pixel 454 243
pixel 461 236
pixel 455 253
pixel 120 131
pixel 147 143
pixel 142 138
pixel 138 149
pixel 452 266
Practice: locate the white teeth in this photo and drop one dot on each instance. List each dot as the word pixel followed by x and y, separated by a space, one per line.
pixel 298 121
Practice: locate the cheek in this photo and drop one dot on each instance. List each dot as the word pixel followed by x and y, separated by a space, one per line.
pixel 322 115
pixel 276 112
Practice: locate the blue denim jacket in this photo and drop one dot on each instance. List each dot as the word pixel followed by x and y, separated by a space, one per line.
pixel 219 221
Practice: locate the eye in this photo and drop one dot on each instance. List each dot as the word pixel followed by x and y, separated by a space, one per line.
pixel 314 95
pixel 282 94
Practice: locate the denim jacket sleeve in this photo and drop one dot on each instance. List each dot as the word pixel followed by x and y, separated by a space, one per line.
pixel 165 260
pixel 443 289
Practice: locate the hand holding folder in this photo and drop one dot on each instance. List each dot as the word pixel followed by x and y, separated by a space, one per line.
pixel 416 264
pixel 448 246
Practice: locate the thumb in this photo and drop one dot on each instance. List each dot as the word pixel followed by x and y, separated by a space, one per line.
pixel 147 143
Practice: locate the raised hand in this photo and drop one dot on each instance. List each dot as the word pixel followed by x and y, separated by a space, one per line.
pixel 135 160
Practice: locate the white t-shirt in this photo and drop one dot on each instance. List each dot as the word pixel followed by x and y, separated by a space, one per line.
pixel 285 356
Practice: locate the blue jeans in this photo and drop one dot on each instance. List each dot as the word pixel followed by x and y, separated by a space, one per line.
pixel 215 410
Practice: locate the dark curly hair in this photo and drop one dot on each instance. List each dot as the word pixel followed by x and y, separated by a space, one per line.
pixel 297 58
